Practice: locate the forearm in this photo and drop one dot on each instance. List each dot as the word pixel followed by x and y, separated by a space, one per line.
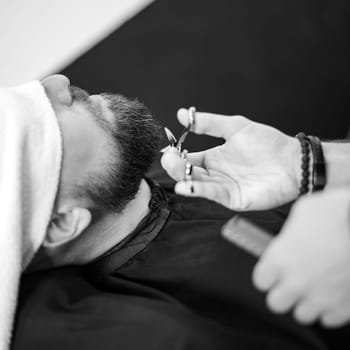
pixel 337 158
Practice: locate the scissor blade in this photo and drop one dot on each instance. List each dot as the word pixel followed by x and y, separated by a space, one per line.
pixel 183 137
pixel 170 136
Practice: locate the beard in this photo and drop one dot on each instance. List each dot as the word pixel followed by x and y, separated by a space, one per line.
pixel 135 139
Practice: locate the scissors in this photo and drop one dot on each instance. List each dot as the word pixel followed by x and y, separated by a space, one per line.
pixel 173 142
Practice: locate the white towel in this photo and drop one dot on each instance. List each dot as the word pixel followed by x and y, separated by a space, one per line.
pixel 30 162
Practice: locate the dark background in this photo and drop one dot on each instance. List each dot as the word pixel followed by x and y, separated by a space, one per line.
pixel 285 63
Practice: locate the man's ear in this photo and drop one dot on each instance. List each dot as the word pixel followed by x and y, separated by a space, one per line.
pixel 66 226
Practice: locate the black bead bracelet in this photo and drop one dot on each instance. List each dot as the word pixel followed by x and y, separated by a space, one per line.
pixel 319 177
pixel 305 163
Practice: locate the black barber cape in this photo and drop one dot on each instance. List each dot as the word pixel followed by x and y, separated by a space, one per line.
pixel 173 284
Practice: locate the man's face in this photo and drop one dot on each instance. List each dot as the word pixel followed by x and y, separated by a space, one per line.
pixel 84 142
pixel 109 143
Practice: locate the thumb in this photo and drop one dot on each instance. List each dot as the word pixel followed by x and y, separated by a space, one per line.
pixel 213 124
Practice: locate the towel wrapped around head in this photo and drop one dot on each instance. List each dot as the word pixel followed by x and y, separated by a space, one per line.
pixel 30 163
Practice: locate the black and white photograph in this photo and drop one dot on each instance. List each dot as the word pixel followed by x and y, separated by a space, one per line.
pixel 174 175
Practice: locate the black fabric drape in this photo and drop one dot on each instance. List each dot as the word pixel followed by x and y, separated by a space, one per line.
pixel 182 288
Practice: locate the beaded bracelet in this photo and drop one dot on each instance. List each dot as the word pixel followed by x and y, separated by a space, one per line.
pixel 305 163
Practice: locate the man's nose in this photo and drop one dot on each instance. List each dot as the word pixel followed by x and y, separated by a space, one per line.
pixel 57 88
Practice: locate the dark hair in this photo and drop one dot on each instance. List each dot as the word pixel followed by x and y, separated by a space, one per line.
pixel 135 138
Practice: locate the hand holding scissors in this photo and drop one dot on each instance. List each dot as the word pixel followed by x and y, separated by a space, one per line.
pixel 257 167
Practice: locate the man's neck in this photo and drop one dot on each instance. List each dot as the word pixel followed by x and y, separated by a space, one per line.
pixel 98 238
pixel 113 228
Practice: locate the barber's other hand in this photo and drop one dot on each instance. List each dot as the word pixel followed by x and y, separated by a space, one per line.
pixel 307 267
pixel 256 168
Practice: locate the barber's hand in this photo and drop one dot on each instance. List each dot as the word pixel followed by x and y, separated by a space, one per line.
pixel 256 168
pixel 307 267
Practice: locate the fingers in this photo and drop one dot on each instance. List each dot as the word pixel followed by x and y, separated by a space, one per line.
pixel 268 277
pixel 266 273
pixel 175 165
pixel 335 318
pixel 306 312
pixel 214 124
pixel 283 292
pixel 171 157
pixel 205 189
pixel 281 298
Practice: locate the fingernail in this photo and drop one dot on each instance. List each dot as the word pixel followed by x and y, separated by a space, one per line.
pixel 182 110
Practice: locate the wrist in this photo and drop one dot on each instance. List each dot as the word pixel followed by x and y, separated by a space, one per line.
pixel 337 158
